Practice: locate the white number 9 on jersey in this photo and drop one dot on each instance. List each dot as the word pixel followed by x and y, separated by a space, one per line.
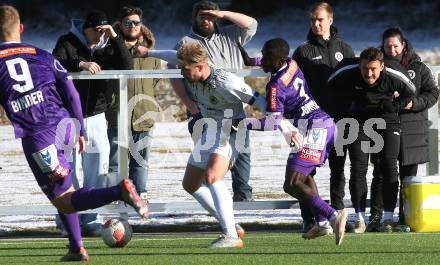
pixel 24 76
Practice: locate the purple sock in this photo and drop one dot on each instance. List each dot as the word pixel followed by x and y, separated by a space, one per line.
pixel 89 198
pixel 359 210
pixel 318 216
pixel 321 207
pixel 71 224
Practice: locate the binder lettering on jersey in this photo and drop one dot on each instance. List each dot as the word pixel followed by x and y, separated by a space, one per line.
pixel 17 50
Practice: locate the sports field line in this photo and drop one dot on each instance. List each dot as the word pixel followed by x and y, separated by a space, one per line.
pixel 172 237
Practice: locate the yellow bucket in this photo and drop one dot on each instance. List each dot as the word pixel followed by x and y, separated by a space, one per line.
pixel 421 203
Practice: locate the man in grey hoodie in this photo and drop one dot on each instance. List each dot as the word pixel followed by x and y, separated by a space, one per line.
pixel 92 45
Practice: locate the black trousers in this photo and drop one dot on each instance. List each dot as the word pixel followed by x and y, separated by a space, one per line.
pixel 388 168
pixel 376 188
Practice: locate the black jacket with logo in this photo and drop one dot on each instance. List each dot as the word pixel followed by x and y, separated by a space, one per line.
pixel 353 98
pixel 96 95
pixel 317 59
pixel 414 122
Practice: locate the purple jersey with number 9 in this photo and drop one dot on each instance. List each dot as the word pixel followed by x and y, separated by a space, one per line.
pixel 28 91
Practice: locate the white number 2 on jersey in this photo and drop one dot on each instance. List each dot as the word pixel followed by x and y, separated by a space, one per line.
pixel 24 76
pixel 298 84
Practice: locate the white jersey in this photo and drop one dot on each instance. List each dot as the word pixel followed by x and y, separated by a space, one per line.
pixel 224 95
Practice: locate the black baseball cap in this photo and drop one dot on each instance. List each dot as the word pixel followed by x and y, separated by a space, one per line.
pixel 95 18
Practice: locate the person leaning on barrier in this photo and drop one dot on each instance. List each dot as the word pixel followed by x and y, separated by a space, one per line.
pixel 413 119
pixel 220 41
pixel 92 45
pixel 372 96
pixel 141 95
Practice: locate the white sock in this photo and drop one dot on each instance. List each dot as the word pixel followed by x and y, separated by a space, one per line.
pixel 360 216
pixel 324 223
pixel 224 206
pixel 204 197
pixel 388 216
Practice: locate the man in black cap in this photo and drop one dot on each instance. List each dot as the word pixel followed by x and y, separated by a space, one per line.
pixel 92 45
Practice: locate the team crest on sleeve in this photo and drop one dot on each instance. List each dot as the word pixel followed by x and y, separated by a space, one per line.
pixel 339 56
pixel 316 139
pixel 47 159
pixel 59 66
pixel 411 74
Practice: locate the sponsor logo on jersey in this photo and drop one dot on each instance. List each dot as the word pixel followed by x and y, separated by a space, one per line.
pixel 317 57
pixel 273 98
pixel 27 101
pixel 47 159
pixel 411 74
pixel 286 78
pixel 310 155
pixel 339 56
pixel 316 139
pixel 17 50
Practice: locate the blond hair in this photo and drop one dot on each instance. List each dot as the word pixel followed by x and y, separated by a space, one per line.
pixel 191 53
pixel 321 5
pixel 9 20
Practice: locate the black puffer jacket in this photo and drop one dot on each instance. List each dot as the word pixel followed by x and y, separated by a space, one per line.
pixel 414 123
pixel 96 95
pixel 353 98
pixel 317 59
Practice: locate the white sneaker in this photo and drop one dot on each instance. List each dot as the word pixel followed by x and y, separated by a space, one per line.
pixel 224 241
pixel 338 225
pixel 359 227
pixel 317 231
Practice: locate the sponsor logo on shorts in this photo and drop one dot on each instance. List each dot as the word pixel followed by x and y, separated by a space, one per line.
pixel 310 155
pixel 47 159
pixel 316 139
pixel 273 98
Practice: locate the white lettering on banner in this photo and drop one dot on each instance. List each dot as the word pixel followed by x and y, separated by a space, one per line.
pixel 27 101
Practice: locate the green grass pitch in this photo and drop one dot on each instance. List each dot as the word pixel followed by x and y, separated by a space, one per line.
pixel 260 248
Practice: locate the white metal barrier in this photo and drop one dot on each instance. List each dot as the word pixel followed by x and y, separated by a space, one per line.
pixel 123 76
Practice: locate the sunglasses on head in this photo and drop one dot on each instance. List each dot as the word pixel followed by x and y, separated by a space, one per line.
pixel 128 23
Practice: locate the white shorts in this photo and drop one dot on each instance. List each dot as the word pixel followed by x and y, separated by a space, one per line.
pixel 213 141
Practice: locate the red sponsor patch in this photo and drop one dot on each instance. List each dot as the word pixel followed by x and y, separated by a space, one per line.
pixel 273 99
pixel 310 155
pixel 17 50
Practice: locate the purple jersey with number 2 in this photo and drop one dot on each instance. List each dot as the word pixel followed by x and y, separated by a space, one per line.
pixel 287 94
pixel 35 89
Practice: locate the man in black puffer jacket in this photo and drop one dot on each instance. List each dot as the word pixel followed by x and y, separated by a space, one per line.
pixel 364 91
pixel 317 58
